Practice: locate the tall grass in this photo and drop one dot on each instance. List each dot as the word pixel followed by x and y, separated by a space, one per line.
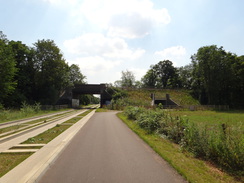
pixel 26 110
pixel 221 144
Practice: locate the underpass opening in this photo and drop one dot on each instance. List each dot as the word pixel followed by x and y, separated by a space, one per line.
pixel 94 89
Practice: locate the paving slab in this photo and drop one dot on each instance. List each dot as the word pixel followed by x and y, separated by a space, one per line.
pixel 20 150
pixel 5 145
pixel 33 167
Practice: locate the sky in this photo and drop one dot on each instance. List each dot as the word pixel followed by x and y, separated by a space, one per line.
pixel 106 37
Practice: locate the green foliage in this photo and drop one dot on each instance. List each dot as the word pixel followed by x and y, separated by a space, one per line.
pixel 76 77
pixel 52 75
pixel 7 69
pixel 1 107
pixel 193 169
pixel 127 79
pixel 34 74
pixel 222 146
pixel 150 120
pixel 28 109
pixel 217 78
pixel 133 112
pixel 88 99
pixel 161 75
pixel 217 143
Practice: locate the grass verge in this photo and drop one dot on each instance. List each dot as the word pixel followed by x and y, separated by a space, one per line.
pixel 101 110
pixel 194 170
pixel 11 160
pixel 48 135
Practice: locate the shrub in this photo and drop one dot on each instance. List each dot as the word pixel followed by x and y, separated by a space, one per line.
pixel 214 144
pixel 1 107
pixel 133 112
pixel 27 109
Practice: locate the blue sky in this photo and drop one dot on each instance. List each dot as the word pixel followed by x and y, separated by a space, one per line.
pixel 105 37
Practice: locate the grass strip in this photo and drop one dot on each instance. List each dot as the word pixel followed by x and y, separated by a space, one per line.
pixel 11 128
pixel 85 113
pixel 11 160
pixel 47 136
pixel 73 120
pixel 194 170
pixel 102 110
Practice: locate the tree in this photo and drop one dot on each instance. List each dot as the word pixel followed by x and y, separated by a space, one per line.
pixel 52 75
pixel 127 79
pixel 23 56
pixel 166 73
pixel 238 82
pixel 185 76
pixel 161 75
pixel 76 77
pixel 212 75
pixel 150 79
pixel 7 68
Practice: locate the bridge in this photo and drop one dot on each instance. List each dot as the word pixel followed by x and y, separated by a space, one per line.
pixel 71 95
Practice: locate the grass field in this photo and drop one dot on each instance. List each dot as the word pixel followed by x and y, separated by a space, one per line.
pixel 234 119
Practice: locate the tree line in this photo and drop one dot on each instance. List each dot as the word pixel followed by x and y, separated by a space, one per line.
pixel 34 74
pixel 215 77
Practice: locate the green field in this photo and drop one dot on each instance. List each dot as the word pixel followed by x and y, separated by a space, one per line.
pixel 233 119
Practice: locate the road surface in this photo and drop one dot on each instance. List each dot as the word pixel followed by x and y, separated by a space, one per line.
pixel 106 150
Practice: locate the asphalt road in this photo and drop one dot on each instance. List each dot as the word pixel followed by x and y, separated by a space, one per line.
pixel 106 150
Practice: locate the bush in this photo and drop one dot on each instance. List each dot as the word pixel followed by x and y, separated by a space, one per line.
pixel 1 107
pixel 150 120
pixel 133 112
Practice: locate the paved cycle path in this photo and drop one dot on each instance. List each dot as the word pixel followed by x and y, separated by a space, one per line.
pixel 106 150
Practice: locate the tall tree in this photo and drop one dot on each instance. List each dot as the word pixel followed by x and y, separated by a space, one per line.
pixel 76 77
pixel 52 71
pixel 213 75
pixel 127 79
pixel 23 56
pixel 150 79
pixel 166 73
pixel 162 75
pixel 185 76
pixel 7 68
pixel 238 82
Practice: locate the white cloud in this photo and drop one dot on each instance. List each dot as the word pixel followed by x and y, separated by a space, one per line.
pixel 137 23
pixel 97 69
pixel 120 18
pixel 95 44
pixel 138 73
pixel 176 51
pixel 176 54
